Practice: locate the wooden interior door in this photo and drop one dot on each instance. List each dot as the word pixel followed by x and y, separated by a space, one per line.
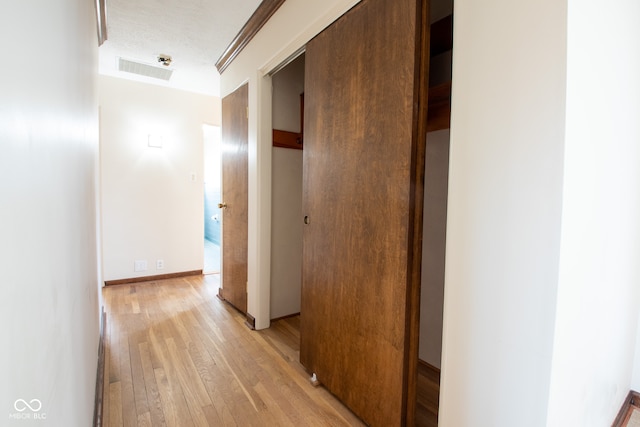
pixel 234 206
pixel 365 117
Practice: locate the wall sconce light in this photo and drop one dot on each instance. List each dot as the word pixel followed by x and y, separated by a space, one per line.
pixel 155 141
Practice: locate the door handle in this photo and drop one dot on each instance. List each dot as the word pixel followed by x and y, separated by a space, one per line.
pixel 222 205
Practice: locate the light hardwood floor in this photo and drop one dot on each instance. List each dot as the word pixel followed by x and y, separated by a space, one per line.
pixel 176 355
pixel 427 396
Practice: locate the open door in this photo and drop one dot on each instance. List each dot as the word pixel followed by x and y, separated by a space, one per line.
pixel 365 131
pixel 234 205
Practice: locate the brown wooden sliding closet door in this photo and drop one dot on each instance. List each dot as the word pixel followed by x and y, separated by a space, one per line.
pixel 235 199
pixel 365 118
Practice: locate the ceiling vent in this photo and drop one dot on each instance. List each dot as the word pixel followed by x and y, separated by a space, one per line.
pixel 127 66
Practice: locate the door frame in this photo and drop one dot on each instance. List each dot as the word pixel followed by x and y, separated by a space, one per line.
pixel 254 65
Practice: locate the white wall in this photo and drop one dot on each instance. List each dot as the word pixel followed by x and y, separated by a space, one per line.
pixel 286 196
pixel 635 379
pixel 49 302
pixel 151 207
pixel 286 237
pixel 599 284
pixel 290 28
pixel 541 288
pixel 505 202
pixel 433 246
pixel 211 153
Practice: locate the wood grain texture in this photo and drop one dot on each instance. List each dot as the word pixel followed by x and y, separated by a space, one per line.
pixel 415 207
pixel 235 188
pixel 260 17
pixel 365 131
pixel 99 398
pixel 188 360
pixel 428 395
pixel 152 278
pixel 631 403
pixel 286 139
pixel 439 107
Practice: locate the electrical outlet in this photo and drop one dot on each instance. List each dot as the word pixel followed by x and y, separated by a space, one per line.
pixel 159 264
pixel 140 265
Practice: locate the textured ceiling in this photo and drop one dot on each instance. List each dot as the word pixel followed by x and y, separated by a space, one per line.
pixel 193 32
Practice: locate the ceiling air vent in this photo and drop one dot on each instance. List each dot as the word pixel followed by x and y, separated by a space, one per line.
pixel 127 66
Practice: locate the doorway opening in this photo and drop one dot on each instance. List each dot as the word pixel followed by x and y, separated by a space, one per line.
pixel 435 209
pixel 212 185
pixel 436 193
pixel 286 198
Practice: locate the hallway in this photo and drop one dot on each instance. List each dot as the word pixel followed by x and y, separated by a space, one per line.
pixel 178 356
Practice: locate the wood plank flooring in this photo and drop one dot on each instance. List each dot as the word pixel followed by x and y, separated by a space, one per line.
pixel 428 394
pixel 175 355
pixel 178 356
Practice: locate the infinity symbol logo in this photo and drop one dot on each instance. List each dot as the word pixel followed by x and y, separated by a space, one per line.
pixel 21 405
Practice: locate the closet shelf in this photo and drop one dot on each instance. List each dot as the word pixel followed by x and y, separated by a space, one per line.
pixel 439 114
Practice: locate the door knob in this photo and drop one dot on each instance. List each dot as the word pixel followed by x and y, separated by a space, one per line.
pixel 222 205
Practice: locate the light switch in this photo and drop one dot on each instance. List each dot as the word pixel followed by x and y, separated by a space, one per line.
pixel 140 265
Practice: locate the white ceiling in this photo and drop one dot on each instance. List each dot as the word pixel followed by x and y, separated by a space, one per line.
pixel 194 32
